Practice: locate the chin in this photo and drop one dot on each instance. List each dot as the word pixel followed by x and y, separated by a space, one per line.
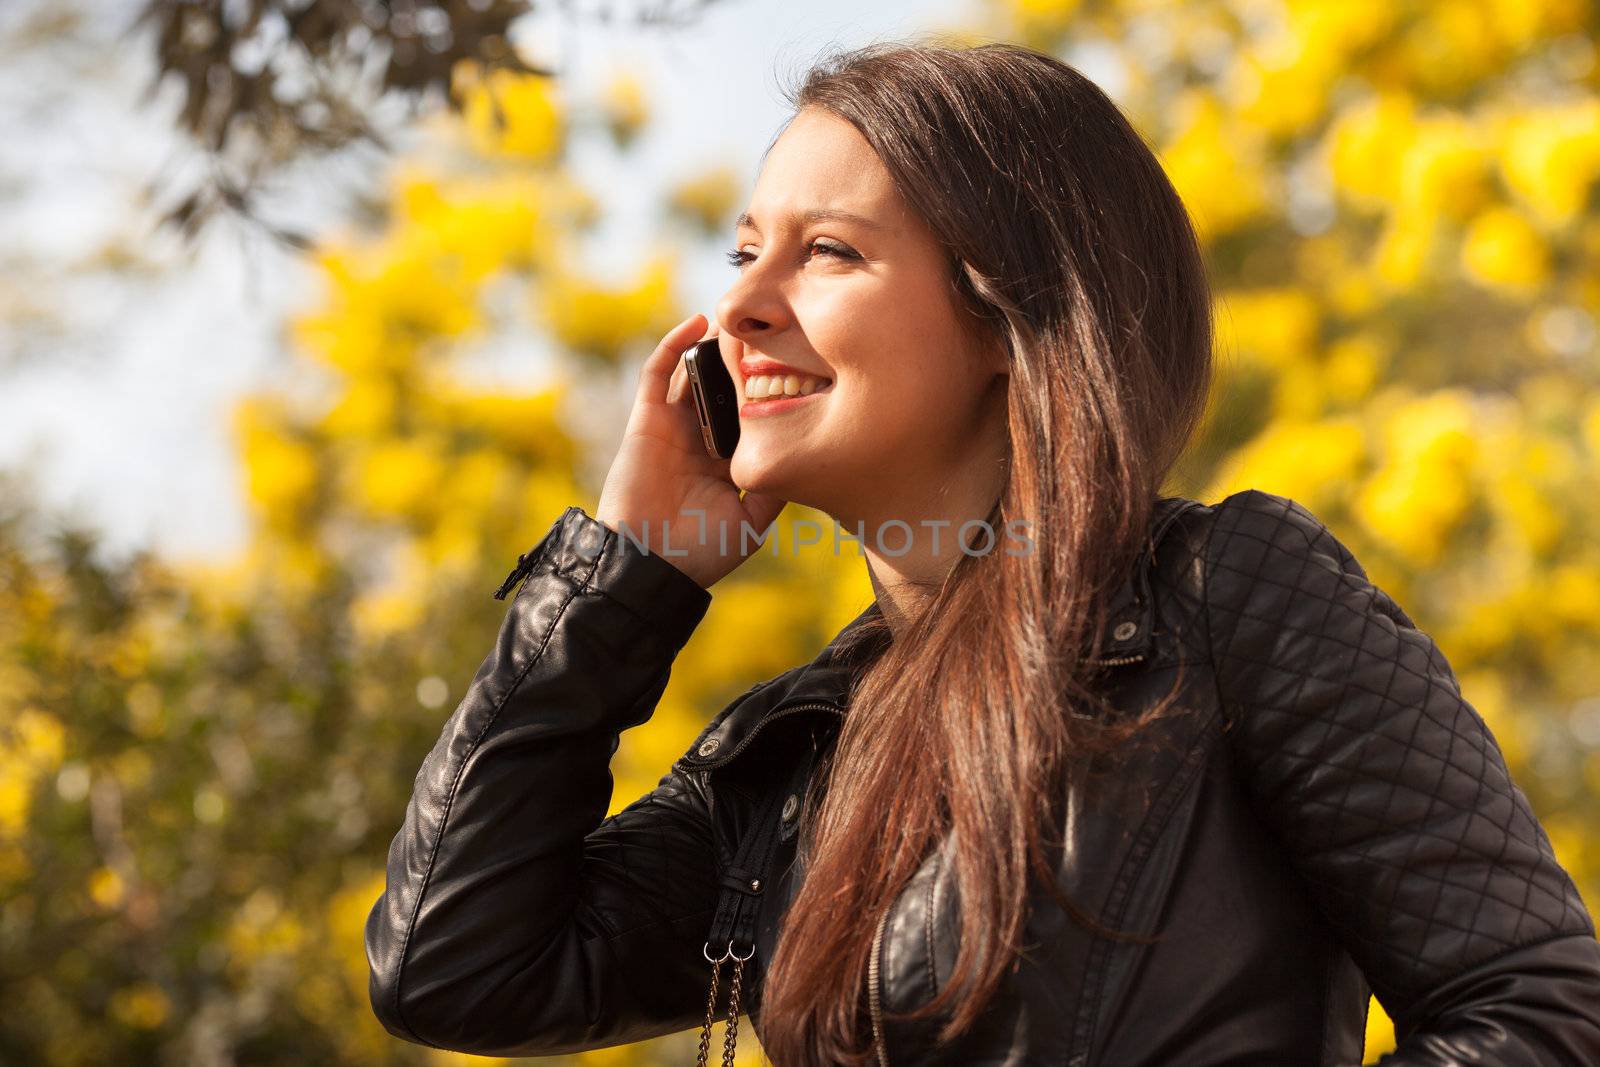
pixel 788 475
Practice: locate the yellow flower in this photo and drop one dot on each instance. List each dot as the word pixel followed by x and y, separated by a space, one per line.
pixel 1521 23
pixel 1299 393
pixel 1352 366
pixel 141 1006
pixel 1038 23
pixel 399 477
pixel 1275 326
pixel 1503 251
pixel 38 738
pixel 1591 430
pixel 261 927
pixel 1282 84
pixel 419 197
pixel 1445 169
pixel 1404 248
pixel 1569 839
pixel 1551 157
pixel 624 105
pixel 16 798
pixel 527 425
pixel 379 613
pixel 707 198
pixel 454 543
pixel 475 484
pixel 346 920
pixel 366 408
pixel 280 470
pixel 1380 1031
pixel 1487 692
pixel 513 114
pixel 481 225
pixel 599 321
pixel 1364 144
pixel 1573 594
pixel 133 768
pixel 1217 165
pixel 1451 46
pixel 1312 462
pixel 106 887
pixel 1423 488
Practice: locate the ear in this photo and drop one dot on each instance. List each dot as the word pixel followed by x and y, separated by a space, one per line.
pixel 995 357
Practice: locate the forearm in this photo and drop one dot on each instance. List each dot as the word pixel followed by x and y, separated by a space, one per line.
pixel 482 904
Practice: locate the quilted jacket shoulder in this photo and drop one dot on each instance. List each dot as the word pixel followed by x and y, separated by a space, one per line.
pixel 1393 801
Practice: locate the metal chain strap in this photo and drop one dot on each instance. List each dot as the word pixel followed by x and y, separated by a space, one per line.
pixel 711 1008
pixel 730 1036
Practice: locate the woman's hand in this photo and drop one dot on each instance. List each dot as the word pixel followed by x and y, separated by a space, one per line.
pixel 663 473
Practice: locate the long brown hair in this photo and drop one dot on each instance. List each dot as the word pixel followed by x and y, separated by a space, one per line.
pixel 1069 246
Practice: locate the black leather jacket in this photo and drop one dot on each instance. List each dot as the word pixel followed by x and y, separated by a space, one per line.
pixel 1329 816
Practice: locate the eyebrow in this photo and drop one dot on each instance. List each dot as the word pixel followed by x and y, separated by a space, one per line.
pixel 818 214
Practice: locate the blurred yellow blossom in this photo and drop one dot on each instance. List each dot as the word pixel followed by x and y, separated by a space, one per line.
pixel 1312 462
pixel 1421 488
pixel 400 477
pixel 1445 168
pixel 512 114
pixel 280 468
pixel 625 106
pixel 598 320
pixel 1380 1037
pixel 142 1006
pixel 1551 157
pixel 1277 326
pixel 1404 248
pixel 1217 166
pixel 1503 250
pixel 106 888
pixel 707 198
pixel 1365 143
pixel 1352 366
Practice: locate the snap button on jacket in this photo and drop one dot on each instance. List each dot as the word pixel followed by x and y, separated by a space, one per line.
pixel 1328 819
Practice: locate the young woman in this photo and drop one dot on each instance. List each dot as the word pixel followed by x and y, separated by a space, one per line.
pixel 1159 782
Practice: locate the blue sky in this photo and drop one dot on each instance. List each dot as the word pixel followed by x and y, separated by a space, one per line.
pixel 118 389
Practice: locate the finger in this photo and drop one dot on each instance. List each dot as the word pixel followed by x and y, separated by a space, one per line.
pixel 679 383
pixel 655 375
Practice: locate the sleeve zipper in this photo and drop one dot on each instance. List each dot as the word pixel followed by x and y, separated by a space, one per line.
pixel 873 998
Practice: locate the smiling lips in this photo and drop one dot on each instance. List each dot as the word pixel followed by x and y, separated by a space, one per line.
pixel 771 387
pixel 762 386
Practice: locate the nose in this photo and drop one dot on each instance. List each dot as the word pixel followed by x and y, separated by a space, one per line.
pixel 748 313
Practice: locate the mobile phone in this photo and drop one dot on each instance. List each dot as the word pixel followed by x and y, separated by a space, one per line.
pixel 716 401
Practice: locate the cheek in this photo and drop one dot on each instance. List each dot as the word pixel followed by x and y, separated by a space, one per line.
pixel 889 413
pixel 901 376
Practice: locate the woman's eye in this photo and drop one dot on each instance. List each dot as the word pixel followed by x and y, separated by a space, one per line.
pixel 737 257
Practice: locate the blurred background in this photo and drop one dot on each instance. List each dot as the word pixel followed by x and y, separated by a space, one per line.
pixel 314 317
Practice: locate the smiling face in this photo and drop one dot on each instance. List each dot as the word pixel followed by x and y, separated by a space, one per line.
pixel 908 402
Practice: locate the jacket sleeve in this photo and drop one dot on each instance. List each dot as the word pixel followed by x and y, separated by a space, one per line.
pixel 1393 801
pixel 517 919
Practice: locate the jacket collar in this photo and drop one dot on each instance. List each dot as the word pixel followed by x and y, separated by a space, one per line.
pixel 822 687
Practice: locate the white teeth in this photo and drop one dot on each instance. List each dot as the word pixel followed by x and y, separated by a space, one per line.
pixel 764 385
